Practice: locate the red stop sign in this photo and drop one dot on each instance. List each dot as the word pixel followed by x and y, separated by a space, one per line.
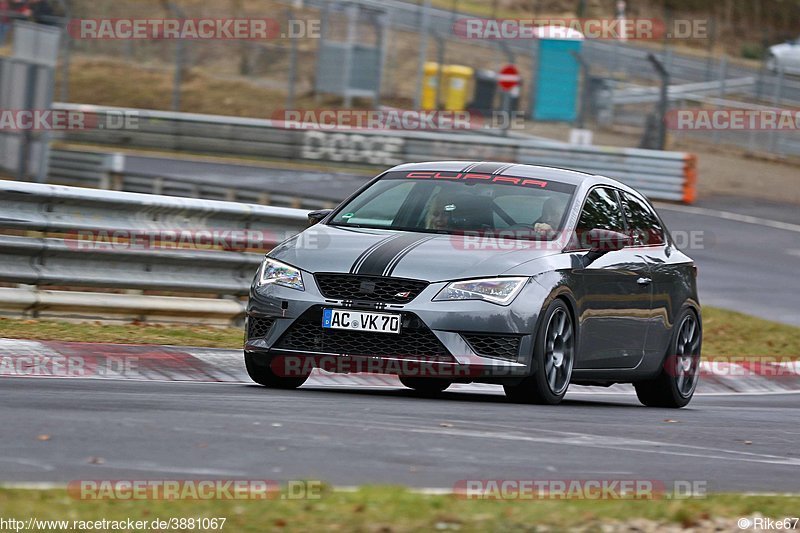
pixel 508 77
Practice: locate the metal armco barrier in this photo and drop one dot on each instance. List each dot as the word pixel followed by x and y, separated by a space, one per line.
pixel 96 169
pixel 657 174
pixel 105 240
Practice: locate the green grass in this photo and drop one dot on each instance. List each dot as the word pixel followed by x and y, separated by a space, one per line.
pixel 393 509
pixel 728 333
pixel 207 336
pixel 725 334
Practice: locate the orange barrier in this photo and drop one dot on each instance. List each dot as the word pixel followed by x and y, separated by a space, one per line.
pixel 690 179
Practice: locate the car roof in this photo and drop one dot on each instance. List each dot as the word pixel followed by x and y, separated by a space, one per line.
pixel 504 168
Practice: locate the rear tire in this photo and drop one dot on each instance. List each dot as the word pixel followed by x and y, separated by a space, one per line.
pixel 426 385
pixel 260 371
pixel 675 385
pixel 553 359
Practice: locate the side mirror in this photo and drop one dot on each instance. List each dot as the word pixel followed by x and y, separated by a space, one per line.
pixel 602 241
pixel 315 217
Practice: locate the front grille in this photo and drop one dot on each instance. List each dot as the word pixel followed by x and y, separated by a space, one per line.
pixel 501 346
pixel 415 340
pixel 258 327
pixel 369 288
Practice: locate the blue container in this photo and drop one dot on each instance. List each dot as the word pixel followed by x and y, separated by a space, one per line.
pixel 555 95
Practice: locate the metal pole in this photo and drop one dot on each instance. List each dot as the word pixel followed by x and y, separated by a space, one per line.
pixel 585 68
pixel 423 51
pixel 723 75
pixel 27 137
pixel 776 101
pixel 292 65
pixel 384 26
pixel 663 103
pixel 45 137
pixel 352 22
pixel 64 93
pixel 179 61
pixel 178 78
pixel 439 72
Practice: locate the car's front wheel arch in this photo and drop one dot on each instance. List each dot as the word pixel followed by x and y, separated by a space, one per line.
pixel 564 294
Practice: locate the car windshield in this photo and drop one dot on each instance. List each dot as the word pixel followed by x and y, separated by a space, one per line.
pixel 452 202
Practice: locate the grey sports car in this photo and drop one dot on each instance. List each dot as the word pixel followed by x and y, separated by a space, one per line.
pixel 526 276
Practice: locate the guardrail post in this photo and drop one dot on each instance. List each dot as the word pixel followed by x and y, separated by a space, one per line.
pixel 116 174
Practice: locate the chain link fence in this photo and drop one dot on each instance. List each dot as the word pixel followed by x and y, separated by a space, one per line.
pixel 619 86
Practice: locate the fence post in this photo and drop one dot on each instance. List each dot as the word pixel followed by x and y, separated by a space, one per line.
pixel 663 102
pixel 581 119
pixel 723 75
pixel 423 51
pixel 292 65
pixel 776 101
pixel 352 21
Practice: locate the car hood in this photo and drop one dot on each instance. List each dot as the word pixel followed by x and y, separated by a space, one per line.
pixel 403 254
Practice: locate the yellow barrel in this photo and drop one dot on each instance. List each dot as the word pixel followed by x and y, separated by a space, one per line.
pixel 429 83
pixel 455 84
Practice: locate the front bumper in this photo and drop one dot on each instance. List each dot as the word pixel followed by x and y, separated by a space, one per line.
pixel 460 327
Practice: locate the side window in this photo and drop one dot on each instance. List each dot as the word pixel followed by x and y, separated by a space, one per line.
pixel 644 226
pixel 601 210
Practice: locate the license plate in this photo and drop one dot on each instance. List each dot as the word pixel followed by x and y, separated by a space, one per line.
pixel 360 320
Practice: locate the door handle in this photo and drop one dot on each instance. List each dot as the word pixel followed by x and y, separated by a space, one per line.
pixel 644 281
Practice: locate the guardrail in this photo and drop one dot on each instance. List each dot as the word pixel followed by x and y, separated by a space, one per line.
pixel 118 240
pixel 649 95
pixel 104 170
pixel 658 174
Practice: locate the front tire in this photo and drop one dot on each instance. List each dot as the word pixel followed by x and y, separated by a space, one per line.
pixel 260 371
pixel 675 385
pixel 553 359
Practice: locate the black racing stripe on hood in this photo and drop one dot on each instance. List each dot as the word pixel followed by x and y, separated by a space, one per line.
pixel 357 263
pixel 487 168
pixel 393 264
pixel 377 261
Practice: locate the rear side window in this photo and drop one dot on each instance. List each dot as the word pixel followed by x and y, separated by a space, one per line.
pixel 642 221
pixel 601 211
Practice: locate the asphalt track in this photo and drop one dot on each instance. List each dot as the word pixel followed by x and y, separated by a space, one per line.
pixel 348 435
pixel 104 429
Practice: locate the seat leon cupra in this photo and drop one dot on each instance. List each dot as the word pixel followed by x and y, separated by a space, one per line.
pixel 530 277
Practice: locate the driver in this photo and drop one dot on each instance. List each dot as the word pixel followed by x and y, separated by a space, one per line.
pixel 551 216
pixel 438 215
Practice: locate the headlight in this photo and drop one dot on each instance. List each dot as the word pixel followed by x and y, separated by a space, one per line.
pixel 495 290
pixel 280 274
